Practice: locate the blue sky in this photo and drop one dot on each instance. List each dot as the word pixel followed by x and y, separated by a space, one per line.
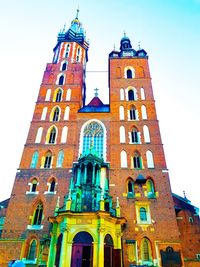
pixel 168 30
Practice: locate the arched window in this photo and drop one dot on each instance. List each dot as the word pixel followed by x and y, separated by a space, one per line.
pixel 122 135
pixel 67 50
pixel 146 250
pixel 129 74
pixel 68 95
pixel 142 94
pixel 134 136
pixel 131 95
pixel 44 113
pixel 137 161
pixel 146 134
pixel 150 188
pixel 150 161
pixel 48 95
pixel 32 250
pixel 61 80
pixel 48 160
pixel 37 217
pixel 64 66
pixel 52 186
pixel 93 138
pixel 64 135
pixel 121 94
pixel 58 95
pixel 133 113
pixel 39 135
pixel 56 114
pixel 144 112
pixel 121 113
pixel 130 187
pixel 52 135
pixel 33 185
pixel 60 159
pixel 143 214
pixel 66 115
pixel 78 54
pixel 34 160
pixel 123 156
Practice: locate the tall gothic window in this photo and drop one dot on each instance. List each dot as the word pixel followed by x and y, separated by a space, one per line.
pixel 137 164
pixel 48 160
pixel 59 95
pixel 56 114
pixel 32 250
pixel 52 136
pixel 37 218
pixel 93 138
pixel 133 114
pixel 34 160
pixel 143 214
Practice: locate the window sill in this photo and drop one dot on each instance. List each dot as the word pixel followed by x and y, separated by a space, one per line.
pixel 34 227
pixel 26 261
pixel 49 193
pixel 32 193
pixel 130 195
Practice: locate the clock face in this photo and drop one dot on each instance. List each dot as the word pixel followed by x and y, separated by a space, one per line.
pixel 127 53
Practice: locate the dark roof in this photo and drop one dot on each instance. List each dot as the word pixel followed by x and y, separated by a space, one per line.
pixel 95 102
pixel 5 203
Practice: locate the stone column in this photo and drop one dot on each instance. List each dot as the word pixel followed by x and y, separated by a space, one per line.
pixel 101 247
pixel 65 257
pixel 52 249
pixel 95 254
pixel 85 174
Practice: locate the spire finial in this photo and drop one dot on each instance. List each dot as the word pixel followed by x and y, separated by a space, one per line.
pixel 184 194
pixel 139 45
pixel 96 92
pixel 77 11
pixel 114 47
pixel 124 33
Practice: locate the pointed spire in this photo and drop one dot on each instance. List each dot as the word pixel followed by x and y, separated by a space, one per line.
pixel 77 11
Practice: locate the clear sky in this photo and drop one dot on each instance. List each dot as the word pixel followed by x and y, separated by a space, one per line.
pixel 168 30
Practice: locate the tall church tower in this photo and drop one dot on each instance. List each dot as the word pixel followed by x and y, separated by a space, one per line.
pixel 92 188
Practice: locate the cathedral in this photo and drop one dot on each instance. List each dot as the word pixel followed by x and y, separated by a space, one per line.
pixel 92 188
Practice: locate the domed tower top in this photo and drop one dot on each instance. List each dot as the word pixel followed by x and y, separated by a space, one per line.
pixel 125 43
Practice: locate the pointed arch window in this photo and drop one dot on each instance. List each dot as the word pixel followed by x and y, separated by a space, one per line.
pixel 32 250
pixel 142 93
pixel 58 95
pixel 78 54
pixel 48 95
pixel 146 250
pixel 122 134
pixel 38 213
pixel 130 188
pixel 146 134
pixel 60 159
pixel 121 94
pixel 134 136
pixel 131 95
pixel 93 137
pixel 137 161
pixel 64 66
pixel 39 135
pixel 34 160
pixel 44 113
pixel 123 157
pixel 64 135
pixel 68 95
pixel 33 187
pixel 52 186
pixel 48 160
pixel 61 80
pixel 144 112
pixel 67 50
pixel 52 136
pixel 66 115
pixel 121 113
pixel 133 113
pixel 56 114
pixel 150 161
pixel 150 188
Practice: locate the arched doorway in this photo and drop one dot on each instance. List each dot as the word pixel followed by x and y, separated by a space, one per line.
pixel 108 251
pixel 82 250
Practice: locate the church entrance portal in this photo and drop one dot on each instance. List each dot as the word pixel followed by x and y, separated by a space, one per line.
pixel 82 250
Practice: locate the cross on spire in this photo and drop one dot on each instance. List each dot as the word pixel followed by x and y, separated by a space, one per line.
pixel 77 11
pixel 96 92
